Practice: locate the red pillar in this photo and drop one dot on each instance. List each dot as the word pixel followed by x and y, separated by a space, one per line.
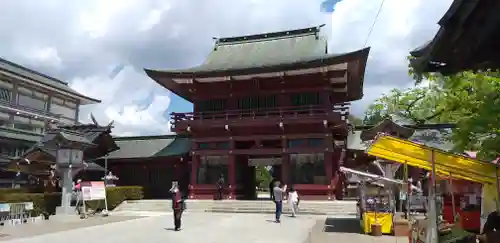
pixel 338 176
pixel 328 161
pixel 285 168
pixel 231 167
pixel 195 162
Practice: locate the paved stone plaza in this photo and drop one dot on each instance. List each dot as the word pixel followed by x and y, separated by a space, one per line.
pixel 197 227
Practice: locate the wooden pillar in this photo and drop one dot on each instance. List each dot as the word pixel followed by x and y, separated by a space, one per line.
pixel 285 168
pixel 195 163
pixel 231 167
pixel 328 161
pixel 336 174
pixel 285 162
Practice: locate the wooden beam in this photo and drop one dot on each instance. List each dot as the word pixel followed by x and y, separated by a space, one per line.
pixel 258 137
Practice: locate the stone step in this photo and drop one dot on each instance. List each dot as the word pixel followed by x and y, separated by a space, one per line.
pixel 306 207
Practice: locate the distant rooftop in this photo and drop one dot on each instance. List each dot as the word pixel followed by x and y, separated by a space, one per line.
pixel 10 68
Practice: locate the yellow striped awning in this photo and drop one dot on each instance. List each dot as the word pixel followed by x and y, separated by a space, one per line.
pixel 418 155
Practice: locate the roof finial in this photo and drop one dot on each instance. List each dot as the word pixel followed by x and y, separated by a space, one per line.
pixel 93 119
pixel 110 125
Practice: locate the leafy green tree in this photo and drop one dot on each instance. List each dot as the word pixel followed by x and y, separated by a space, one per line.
pixel 354 120
pixel 262 177
pixel 469 99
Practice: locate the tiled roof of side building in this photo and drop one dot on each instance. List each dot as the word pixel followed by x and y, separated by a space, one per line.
pixel 150 146
pixel 17 134
pixel 16 69
pixel 432 137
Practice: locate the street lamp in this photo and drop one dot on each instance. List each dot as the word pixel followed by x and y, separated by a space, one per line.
pixel 69 160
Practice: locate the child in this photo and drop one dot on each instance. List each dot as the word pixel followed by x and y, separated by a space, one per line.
pixel 293 200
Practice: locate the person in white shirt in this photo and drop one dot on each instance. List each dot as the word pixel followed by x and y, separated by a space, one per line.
pixel 293 201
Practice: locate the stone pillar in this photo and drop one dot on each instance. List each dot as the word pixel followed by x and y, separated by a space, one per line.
pixel 67 190
pixel 231 167
pixel 328 161
pixel 195 163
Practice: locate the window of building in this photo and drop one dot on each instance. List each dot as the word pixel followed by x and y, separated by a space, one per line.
pixel 62 110
pixel 25 123
pixel 32 99
pixel 6 91
pixel 222 145
pixel 211 105
pixel 257 102
pixel 4 119
pixel 316 142
pixel 307 169
pixel 210 169
pixel 294 143
pixel 204 145
pixel 5 95
pixel 305 99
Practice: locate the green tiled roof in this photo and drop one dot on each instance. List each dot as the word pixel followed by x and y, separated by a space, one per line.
pixel 269 50
pixel 436 138
pixel 17 134
pixel 17 69
pixel 150 146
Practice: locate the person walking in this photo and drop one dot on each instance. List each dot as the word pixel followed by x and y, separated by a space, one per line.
pixel 271 187
pixel 220 187
pixel 293 201
pixel 178 205
pixel 278 194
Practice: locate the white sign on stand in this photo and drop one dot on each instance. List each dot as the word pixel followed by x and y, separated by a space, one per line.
pixel 94 190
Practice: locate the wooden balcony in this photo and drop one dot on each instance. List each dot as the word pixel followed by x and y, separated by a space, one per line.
pixel 13 108
pixel 182 122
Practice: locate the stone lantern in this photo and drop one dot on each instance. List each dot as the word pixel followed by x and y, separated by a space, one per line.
pixel 69 146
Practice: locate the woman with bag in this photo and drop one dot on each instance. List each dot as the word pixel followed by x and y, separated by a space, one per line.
pixel 178 205
pixel 293 201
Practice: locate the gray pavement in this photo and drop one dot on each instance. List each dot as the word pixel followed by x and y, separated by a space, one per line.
pixel 200 227
pixel 197 227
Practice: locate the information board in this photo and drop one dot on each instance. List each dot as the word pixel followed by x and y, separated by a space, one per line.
pixel 94 190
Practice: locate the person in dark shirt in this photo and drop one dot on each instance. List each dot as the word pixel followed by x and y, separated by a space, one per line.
pixel 220 187
pixel 177 205
pixel 492 223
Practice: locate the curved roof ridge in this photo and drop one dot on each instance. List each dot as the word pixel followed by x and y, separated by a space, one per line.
pixel 267 36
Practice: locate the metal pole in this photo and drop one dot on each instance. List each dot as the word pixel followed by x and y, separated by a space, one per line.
pixel 452 197
pixel 432 230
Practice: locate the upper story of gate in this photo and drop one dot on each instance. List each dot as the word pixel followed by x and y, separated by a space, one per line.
pixel 278 79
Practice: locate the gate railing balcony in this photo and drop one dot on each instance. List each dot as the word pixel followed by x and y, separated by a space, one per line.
pixel 281 112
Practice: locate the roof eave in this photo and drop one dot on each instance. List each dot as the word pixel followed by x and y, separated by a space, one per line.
pixel 317 62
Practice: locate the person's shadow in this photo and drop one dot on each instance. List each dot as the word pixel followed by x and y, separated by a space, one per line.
pixel 170 229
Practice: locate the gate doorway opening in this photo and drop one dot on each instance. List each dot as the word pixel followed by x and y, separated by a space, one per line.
pixel 256 175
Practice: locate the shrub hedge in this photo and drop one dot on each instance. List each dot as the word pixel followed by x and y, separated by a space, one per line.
pixel 116 195
pixel 46 203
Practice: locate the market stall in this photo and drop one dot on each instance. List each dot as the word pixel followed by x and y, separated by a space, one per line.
pixel 376 203
pixel 440 163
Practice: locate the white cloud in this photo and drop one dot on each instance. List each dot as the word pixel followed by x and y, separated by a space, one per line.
pixel 47 56
pixel 121 98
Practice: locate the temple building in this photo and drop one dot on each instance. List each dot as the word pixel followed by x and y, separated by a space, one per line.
pixel 30 102
pixel 274 99
pixel 466 40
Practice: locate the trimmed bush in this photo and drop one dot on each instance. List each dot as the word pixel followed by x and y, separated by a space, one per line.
pixel 43 203
pixel 12 190
pixel 46 203
pixel 116 195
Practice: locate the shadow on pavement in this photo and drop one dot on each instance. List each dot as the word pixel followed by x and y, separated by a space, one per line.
pixel 342 225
